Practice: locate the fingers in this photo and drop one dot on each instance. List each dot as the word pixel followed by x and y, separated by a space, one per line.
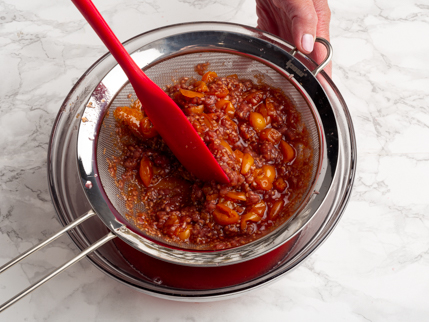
pixel 324 19
pixel 298 22
pixel 273 20
pixel 302 22
pixel 266 16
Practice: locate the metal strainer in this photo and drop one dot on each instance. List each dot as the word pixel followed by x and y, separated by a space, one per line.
pixel 162 73
pixel 170 53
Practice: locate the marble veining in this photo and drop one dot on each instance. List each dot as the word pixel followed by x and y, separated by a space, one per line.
pixel 374 266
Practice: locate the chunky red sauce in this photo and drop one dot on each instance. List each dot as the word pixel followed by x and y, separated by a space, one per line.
pixel 258 138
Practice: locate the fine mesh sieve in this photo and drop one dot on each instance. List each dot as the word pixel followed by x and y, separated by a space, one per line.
pixel 250 54
pixel 172 52
pixel 164 73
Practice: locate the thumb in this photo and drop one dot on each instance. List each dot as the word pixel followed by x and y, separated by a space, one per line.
pixel 302 21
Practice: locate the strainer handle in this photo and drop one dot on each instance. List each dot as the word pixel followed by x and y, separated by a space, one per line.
pixel 328 58
pixel 88 250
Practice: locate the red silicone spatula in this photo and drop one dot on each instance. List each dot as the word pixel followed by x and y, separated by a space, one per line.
pixel 166 116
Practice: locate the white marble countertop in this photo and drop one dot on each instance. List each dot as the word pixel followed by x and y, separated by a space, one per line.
pixel 374 266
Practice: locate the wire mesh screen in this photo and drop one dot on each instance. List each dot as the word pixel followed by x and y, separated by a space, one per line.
pixel 165 73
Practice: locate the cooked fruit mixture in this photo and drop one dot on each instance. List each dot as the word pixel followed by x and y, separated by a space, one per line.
pixel 258 138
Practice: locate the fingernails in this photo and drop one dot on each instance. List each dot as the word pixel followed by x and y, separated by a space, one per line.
pixel 307 42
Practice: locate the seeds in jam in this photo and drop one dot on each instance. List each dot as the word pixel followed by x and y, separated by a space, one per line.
pixel 257 136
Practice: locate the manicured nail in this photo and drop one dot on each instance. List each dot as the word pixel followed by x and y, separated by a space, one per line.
pixel 308 42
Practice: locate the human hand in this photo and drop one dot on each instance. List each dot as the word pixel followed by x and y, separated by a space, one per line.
pixel 299 22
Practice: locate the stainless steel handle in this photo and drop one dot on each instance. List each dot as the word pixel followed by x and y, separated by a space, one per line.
pixel 328 58
pixel 90 249
pixel 73 224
